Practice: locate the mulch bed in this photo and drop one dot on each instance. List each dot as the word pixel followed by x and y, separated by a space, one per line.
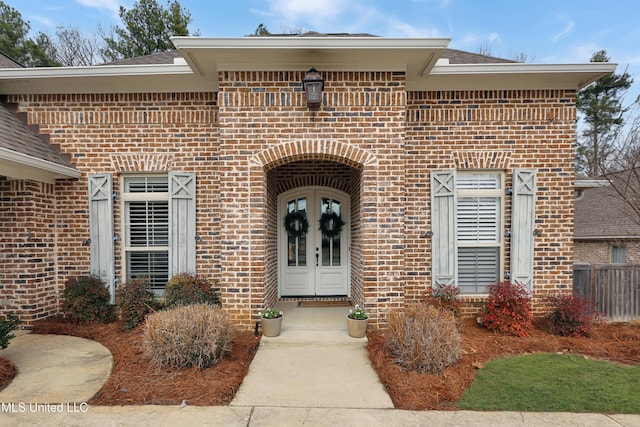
pixel 414 391
pixel 134 382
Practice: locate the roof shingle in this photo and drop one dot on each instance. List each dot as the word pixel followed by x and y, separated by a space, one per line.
pixel 16 136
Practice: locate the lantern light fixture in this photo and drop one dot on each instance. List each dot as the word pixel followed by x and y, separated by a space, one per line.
pixel 313 84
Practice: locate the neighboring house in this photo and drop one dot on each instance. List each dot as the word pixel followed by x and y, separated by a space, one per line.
pixel 607 231
pixel 443 167
pixel 8 62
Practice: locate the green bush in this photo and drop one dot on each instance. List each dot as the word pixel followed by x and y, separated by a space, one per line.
pixel 7 325
pixel 193 335
pixel 186 289
pixel 86 299
pixel 423 338
pixel 135 301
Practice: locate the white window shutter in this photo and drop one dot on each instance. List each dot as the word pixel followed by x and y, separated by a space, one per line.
pixel 101 229
pixel 182 223
pixel 443 227
pixel 522 226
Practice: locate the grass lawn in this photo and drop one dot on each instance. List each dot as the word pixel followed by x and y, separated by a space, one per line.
pixel 554 382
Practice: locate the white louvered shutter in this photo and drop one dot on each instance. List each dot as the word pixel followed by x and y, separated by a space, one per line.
pixel 523 226
pixel 101 229
pixel 182 214
pixel 443 227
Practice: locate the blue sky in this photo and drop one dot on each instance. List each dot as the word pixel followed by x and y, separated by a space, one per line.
pixel 546 31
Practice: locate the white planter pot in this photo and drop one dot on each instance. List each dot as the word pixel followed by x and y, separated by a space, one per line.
pixel 357 328
pixel 271 327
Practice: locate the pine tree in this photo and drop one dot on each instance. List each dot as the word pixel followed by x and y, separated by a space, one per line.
pixel 603 114
pixel 147 29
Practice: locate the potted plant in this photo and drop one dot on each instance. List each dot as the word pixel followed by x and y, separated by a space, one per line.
pixel 357 321
pixel 271 322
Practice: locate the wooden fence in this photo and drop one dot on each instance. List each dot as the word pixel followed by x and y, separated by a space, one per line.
pixel 612 289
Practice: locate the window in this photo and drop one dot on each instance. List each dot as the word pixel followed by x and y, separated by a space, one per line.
pixel 146 228
pixel 479 230
pixel 467 228
pixel 158 223
pixel 618 255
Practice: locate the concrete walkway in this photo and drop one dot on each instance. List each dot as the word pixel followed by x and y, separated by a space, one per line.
pixel 55 368
pixel 312 375
pixel 322 365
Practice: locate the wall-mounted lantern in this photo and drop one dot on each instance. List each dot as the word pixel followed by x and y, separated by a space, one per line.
pixel 313 84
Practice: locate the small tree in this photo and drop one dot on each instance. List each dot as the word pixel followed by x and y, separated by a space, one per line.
pixel 71 48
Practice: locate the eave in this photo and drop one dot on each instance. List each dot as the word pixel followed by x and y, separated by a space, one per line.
pixel 102 79
pixel 21 166
pixel 207 57
pixel 511 76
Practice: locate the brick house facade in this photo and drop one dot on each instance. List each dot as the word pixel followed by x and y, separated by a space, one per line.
pixel 445 166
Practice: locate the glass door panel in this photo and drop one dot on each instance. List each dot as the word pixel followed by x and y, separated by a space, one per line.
pixel 297 245
pixel 331 242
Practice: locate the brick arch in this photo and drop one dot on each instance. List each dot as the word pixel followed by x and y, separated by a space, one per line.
pixel 315 149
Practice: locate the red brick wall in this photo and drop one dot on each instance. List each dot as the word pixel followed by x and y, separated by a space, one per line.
pixel 499 130
pixel 246 142
pixel 28 234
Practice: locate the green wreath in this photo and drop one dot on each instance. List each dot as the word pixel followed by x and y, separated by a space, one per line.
pixel 331 224
pixel 296 223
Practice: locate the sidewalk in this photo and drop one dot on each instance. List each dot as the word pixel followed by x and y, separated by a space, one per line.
pixel 233 416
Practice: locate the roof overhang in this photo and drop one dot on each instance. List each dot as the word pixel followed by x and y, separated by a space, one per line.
pixel 102 79
pixel 21 166
pixel 206 57
pixel 511 76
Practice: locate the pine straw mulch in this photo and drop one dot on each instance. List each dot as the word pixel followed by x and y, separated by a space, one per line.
pixel 618 342
pixel 134 382
pixel 7 372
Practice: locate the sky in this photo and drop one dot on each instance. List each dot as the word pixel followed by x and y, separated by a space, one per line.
pixel 542 31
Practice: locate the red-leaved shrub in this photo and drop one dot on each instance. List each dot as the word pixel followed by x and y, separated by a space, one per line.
pixel 569 316
pixel 508 310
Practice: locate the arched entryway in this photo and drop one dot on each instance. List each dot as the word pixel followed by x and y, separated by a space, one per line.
pixel 341 168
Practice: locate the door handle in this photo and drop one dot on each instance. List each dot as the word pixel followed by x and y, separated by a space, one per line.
pixel 317 256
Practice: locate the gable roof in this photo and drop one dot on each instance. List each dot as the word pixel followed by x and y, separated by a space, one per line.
pixel 600 213
pixel 24 155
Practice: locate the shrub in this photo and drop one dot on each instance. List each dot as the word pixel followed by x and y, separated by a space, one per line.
pixel 185 289
pixel 508 310
pixel 423 338
pixel 569 316
pixel 193 335
pixel 135 301
pixel 7 325
pixel 86 299
pixel 445 297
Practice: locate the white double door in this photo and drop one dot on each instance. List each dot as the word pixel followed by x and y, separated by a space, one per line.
pixel 312 263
